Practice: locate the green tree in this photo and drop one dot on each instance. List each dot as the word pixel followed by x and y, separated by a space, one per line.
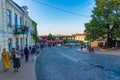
pixel 35 33
pixel 50 37
pixel 105 14
pixel 65 41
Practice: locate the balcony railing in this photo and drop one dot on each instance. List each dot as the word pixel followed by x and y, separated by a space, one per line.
pixel 20 29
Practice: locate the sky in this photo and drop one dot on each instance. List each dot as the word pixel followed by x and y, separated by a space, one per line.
pixel 54 21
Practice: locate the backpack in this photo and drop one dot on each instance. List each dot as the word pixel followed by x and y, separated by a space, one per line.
pixel 26 50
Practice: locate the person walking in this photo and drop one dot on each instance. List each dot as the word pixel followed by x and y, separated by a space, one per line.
pixel 22 52
pixel 5 60
pixel 26 52
pixel 16 60
pixel 41 46
pixel 30 49
pixel 33 52
pixel 19 50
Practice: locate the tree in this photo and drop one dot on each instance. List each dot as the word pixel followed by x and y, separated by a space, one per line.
pixel 65 41
pixel 105 14
pixel 50 37
pixel 35 33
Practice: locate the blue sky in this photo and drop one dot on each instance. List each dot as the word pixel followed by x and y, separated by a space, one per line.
pixel 53 21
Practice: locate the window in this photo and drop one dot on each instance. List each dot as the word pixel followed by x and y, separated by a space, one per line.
pixel 9 17
pixel 26 41
pixel 16 22
pixel 25 23
pixel 10 44
pixel 17 42
pixel 21 21
pixel 21 42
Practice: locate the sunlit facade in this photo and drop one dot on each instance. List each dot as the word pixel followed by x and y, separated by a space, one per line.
pixel 79 37
pixel 15 26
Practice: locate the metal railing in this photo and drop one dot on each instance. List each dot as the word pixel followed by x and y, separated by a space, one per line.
pixel 20 29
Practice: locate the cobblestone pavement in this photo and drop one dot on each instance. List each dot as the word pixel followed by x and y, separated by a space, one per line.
pixel 69 64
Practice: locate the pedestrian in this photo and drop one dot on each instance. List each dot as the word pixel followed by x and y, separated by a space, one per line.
pixel 22 52
pixel 33 53
pixel 41 46
pixel 30 48
pixel 19 50
pixel 5 60
pixel 81 47
pixel 26 53
pixel 16 60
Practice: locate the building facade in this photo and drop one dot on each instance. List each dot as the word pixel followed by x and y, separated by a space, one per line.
pixel 15 26
pixel 79 37
pixel 3 25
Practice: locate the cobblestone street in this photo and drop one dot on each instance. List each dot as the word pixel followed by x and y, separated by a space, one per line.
pixel 69 64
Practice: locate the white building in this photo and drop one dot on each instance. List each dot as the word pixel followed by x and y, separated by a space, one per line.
pixel 15 26
pixel 3 25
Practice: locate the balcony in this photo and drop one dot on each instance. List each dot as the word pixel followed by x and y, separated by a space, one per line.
pixel 20 29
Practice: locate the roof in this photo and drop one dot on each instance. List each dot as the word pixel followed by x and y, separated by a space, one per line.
pixel 79 34
pixel 16 5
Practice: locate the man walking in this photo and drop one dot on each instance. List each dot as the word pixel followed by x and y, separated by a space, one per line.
pixel 26 52
pixel 33 52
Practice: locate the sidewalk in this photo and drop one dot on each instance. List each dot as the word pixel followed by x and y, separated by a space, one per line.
pixel 97 51
pixel 112 52
pixel 26 71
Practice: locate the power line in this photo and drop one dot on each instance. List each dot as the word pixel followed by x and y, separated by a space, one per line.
pixel 59 8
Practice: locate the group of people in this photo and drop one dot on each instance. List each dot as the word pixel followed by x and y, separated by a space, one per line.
pixel 16 55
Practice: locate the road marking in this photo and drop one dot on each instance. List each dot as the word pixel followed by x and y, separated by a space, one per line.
pixel 83 62
pixel 74 59
pixel 71 58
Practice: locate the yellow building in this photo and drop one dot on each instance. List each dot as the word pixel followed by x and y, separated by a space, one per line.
pixel 79 37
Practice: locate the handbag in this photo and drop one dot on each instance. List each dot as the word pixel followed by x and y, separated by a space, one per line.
pixel 17 56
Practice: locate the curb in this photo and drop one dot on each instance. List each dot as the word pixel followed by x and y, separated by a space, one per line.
pixel 41 52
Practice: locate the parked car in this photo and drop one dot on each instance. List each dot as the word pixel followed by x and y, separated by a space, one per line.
pixel 58 45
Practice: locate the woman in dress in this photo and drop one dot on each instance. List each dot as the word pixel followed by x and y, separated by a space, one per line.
pixel 5 60
pixel 16 59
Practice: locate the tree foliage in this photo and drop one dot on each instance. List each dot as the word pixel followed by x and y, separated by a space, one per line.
pixel 106 13
pixel 65 41
pixel 50 37
pixel 35 33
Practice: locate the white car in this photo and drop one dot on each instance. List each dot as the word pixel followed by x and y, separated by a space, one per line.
pixel 58 45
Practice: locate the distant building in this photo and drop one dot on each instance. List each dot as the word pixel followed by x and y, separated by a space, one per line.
pixel 76 37
pixel 79 37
